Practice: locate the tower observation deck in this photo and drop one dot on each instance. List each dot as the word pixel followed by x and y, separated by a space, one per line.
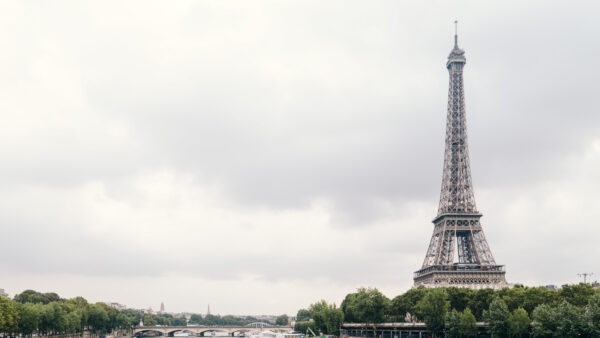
pixel 458 253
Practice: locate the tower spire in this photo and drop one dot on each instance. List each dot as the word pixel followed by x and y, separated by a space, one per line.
pixel 455 34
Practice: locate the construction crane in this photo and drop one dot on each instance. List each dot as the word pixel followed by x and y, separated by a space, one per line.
pixel 308 329
pixel 585 275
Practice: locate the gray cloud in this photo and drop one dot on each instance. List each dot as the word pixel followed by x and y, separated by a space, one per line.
pixel 285 140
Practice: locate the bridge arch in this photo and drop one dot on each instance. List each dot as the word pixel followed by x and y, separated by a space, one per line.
pixel 171 333
pixel 202 332
pixel 143 332
pixel 243 329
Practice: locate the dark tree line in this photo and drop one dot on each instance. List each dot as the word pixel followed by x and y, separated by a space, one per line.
pixel 34 313
pixel 572 311
pixel 228 320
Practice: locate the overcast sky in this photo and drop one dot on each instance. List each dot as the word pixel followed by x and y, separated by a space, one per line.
pixel 262 155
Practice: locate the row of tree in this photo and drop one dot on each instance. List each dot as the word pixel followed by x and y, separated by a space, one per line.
pixel 210 320
pixel 371 306
pixel 32 312
pixel 573 310
pixel 320 317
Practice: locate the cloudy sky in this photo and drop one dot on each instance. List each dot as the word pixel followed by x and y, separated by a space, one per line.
pixel 263 155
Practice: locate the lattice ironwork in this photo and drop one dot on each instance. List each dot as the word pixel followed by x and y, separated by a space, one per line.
pixel 458 252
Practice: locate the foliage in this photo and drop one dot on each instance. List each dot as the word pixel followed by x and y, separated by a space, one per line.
pixel 592 316
pixel 452 322
pixel 304 325
pixel 34 313
pixel 364 306
pixel 497 317
pixel 9 316
pixel 302 315
pixel 570 320
pixel 282 320
pixel 536 296
pixel 577 294
pixel 406 303
pixel 480 301
pixel 518 323
pixel 544 322
pixel 327 317
pixel 29 319
pixel 98 320
pixel 207 320
pixel 459 298
pixel 467 324
pixel 433 308
pixel 31 296
pixel 574 309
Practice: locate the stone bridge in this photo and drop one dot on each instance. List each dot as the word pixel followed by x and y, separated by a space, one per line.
pixel 204 331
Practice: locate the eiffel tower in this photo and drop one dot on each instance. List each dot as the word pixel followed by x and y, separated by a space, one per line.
pixel 458 253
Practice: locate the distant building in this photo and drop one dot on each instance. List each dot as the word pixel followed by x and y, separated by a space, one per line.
pixel 596 285
pixel 208 310
pixel 267 318
pixel 3 293
pixel 162 307
pixel 551 287
pixel 116 305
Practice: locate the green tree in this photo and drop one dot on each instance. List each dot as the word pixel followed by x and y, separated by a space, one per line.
pixel 302 315
pixel 513 297
pixel 592 316
pixel 544 322
pixel 150 320
pixel 282 320
pixel 334 317
pixel 317 314
pixel 497 318
pixel 304 325
pixel 59 317
pixel 459 298
pixel 181 321
pixel 481 301
pixel 538 295
pixel 577 295
pixel 467 324
pixel 327 317
pixel 196 319
pixel 349 307
pixel 31 296
pixel 453 323
pixel 78 302
pixel 570 320
pixel 9 315
pixel 518 323
pixel 29 318
pixel 73 322
pixel 364 306
pixel 434 307
pixel 210 320
pixel 406 303
pixel 98 320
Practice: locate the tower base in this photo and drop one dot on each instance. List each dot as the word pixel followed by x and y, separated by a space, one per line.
pixel 462 276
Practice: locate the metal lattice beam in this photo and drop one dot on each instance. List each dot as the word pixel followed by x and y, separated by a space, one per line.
pixel 457 224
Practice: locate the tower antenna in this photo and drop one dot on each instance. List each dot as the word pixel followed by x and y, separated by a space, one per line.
pixel 456 34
